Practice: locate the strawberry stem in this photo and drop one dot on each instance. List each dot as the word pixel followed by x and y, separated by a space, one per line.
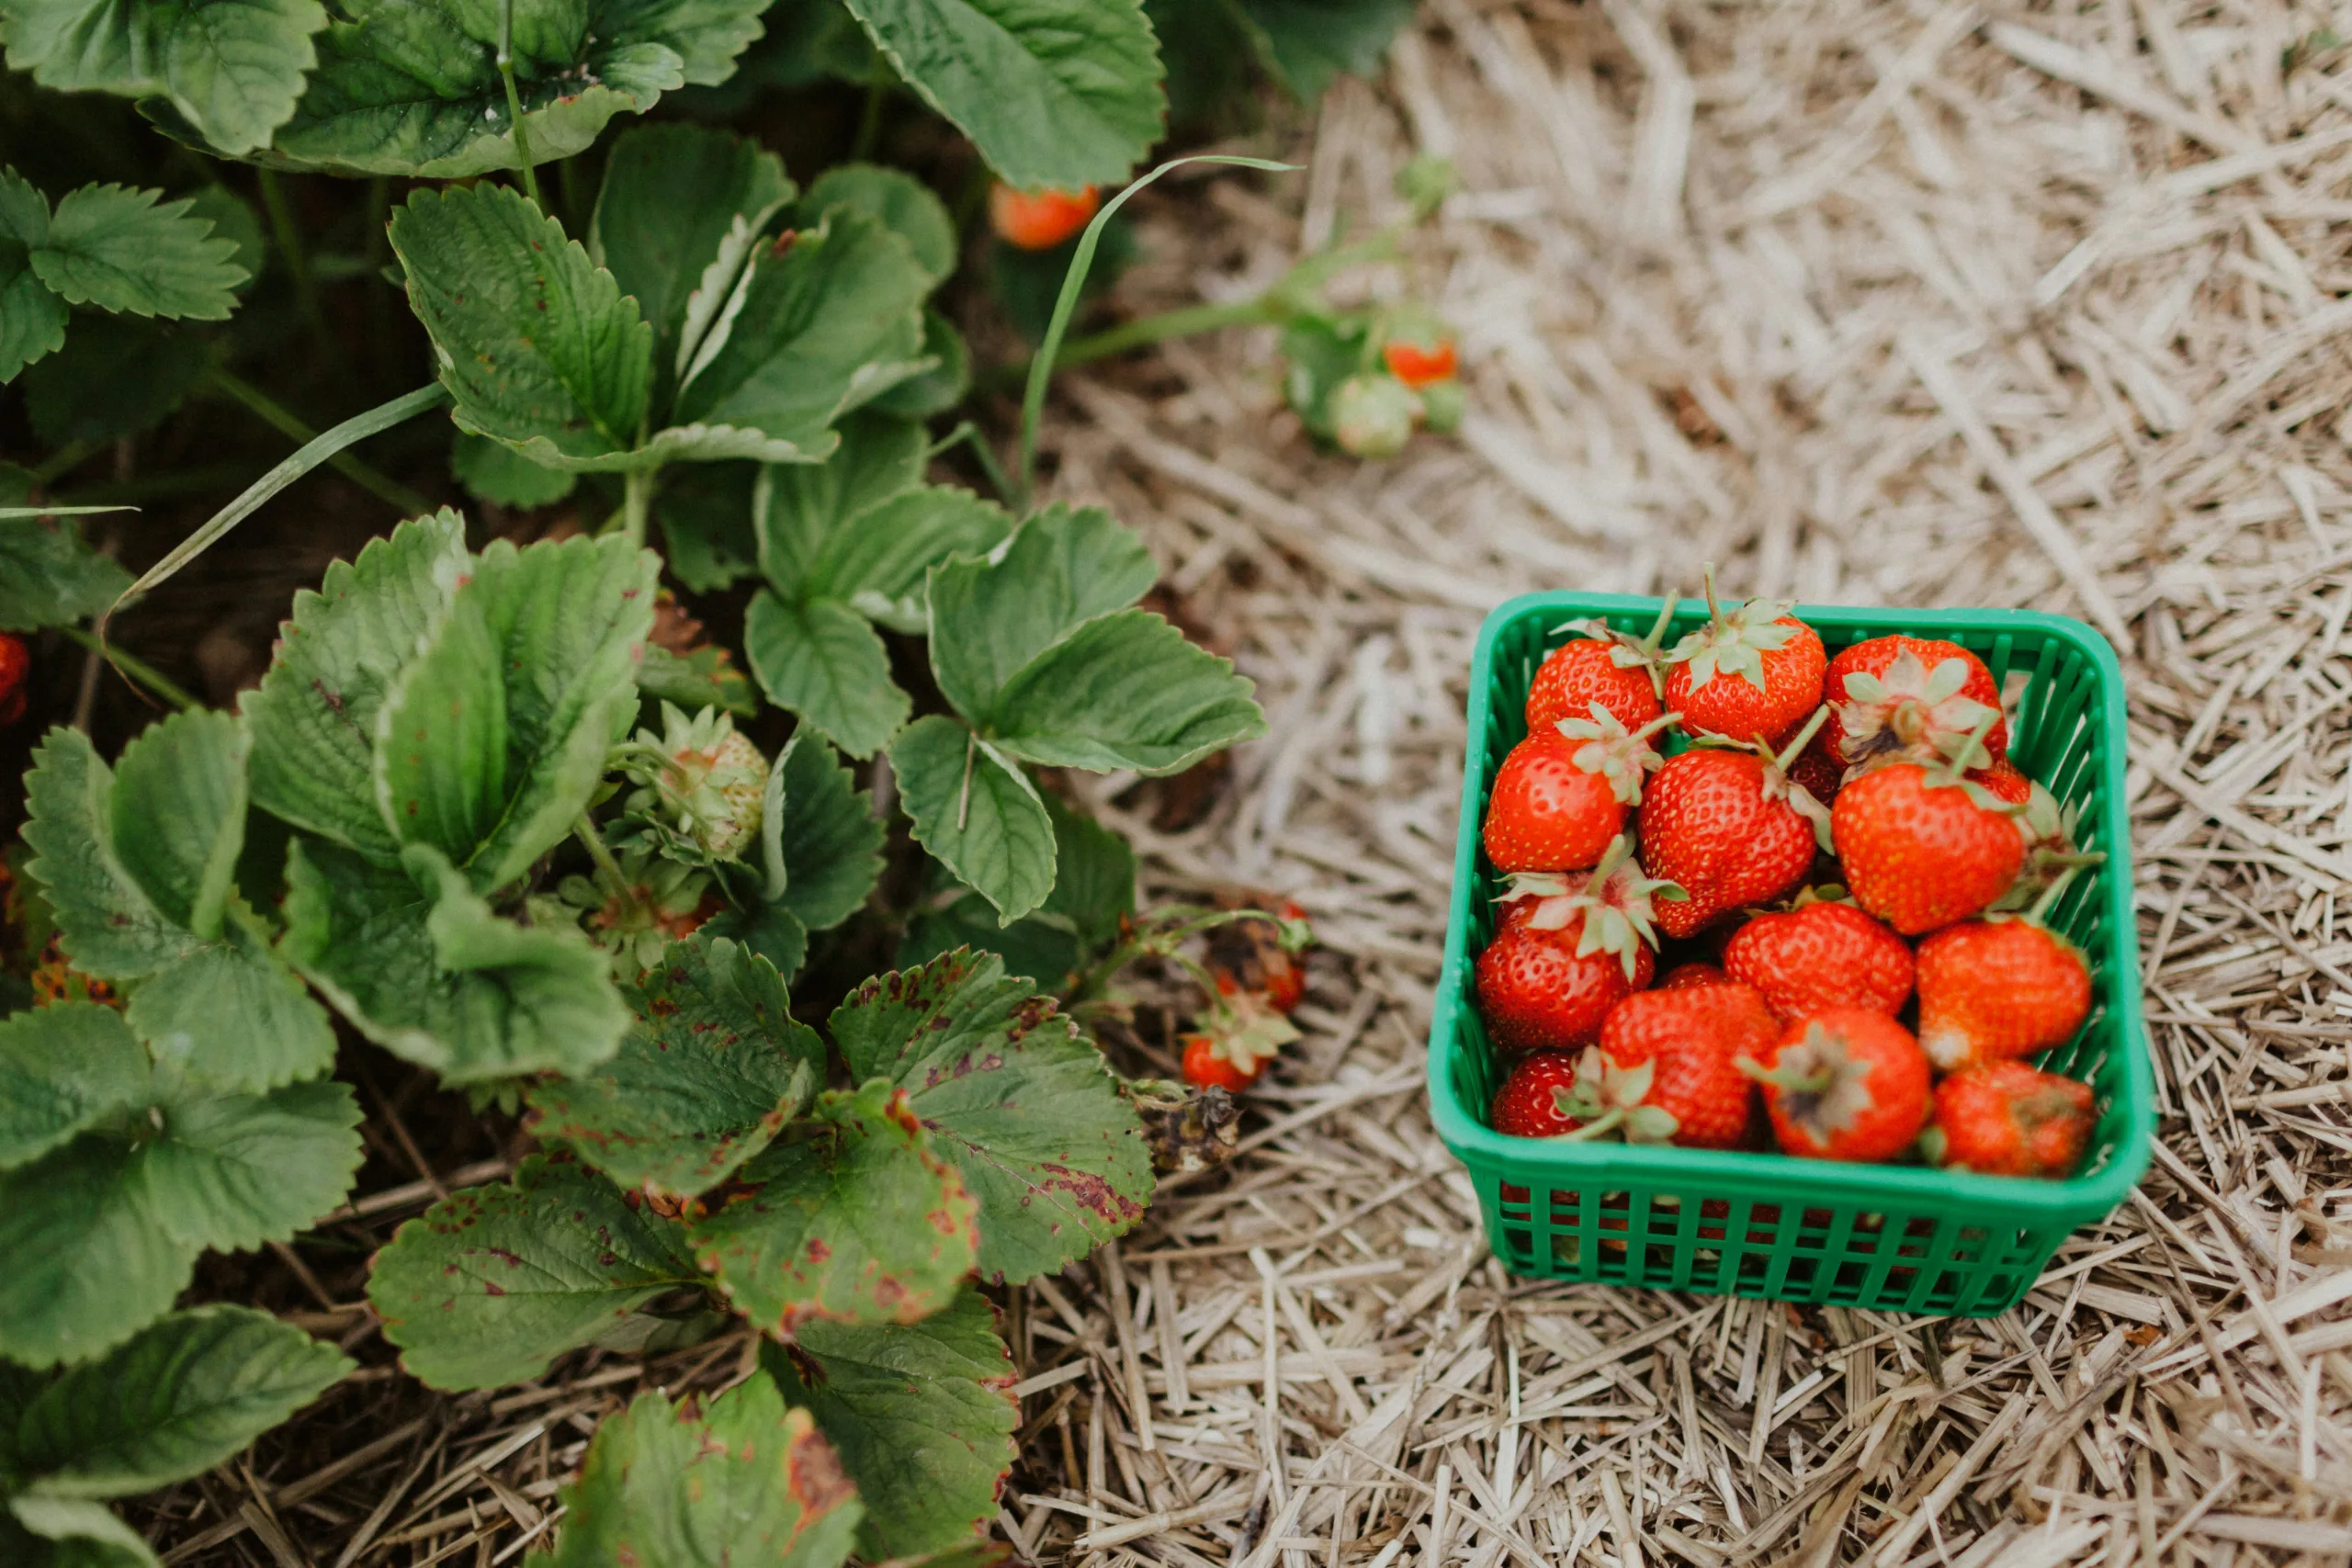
pixel 1795 747
pixel 1657 638
pixel 2038 914
pixel 1607 1122
pixel 1714 611
pixel 1950 769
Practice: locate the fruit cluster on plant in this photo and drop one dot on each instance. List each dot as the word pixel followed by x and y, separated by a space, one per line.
pixel 1856 873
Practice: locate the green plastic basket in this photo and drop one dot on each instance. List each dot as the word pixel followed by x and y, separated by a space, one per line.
pixel 1884 1237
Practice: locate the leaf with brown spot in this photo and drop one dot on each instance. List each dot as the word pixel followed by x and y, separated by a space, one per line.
pixel 1010 1094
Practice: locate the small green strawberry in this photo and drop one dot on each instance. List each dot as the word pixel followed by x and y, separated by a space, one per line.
pixel 705 778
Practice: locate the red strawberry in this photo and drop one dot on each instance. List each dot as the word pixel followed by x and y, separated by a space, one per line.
pixel 1920 848
pixel 1820 955
pixel 1908 696
pixel 1729 829
pixel 1205 1068
pixel 1751 674
pixel 1267 956
pixel 1848 1084
pixel 1604 666
pixel 1997 988
pixel 1420 364
pixel 1038 219
pixel 16 663
pixel 1818 769
pixel 2005 1119
pixel 1560 797
pixel 1683 976
pixel 2003 782
pixel 1569 949
pixel 1665 1068
pixel 1238 1036
pixel 1528 1105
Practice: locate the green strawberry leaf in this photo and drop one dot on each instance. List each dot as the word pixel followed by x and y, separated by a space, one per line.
pixel 412 86
pixel 923 1415
pixel 770 930
pixel 938 389
pixel 109 927
pixel 425 970
pixel 231 69
pixel 705 511
pixel 902 203
pixel 710 1071
pixel 496 473
pixel 491 1285
pixel 178 815
pixel 799 509
pixel 744 1484
pixel 821 661
pixel 856 1220
pixel 116 375
pixel 48 576
pixel 1125 691
pixel 231 1013
pixel 90 1259
pixel 64 1067
pixel 877 563
pixel 113 248
pixel 61 1533
pixel 1306 43
pixel 819 837
pixel 681 210
pixel 815 328
pixel 32 318
pixel 706 678
pixel 1094 891
pixel 977 813
pixel 991 616
pixel 1053 92
pixel 1015 1097
pixel 179 1397
pixel 313 716
pixel 538 346
pixel 235 1171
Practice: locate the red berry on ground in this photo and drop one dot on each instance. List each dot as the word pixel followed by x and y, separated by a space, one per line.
pixel 1752 673
pixel 1846 1084
pixel 1821 955
pixel 1205 1068
pixel 1729 829
pixel 2006 1119
pixel 15 664
pixel 1561 795
pixel 1038 219
pixel 1991 990
pixel 1420 364
pixel 1908 696
pixel 1528 1104
pixel 1920 851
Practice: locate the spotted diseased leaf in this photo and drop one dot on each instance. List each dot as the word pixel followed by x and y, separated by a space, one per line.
pixel 1053 92
pixel 231 70
pixel 1012 1095
pixel 119 250
pixel 977 813
pixel 856 1220
pixel 492 1284
pixel 710 1070
pixel 745 1483
pixel 175 1400
pixel 923 1415
pixel 63 1069
pixel 412 86
pixel 420 965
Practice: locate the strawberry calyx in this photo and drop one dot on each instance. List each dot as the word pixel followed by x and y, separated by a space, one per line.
pixel 1614 900
pixel 1824 1087
pixel 1615 753
pixel 1911 709
pixel 1950 772
pixel 1629 652
pixel 2050 854
pixel 1246 1030
pixel 1733 642
pixel 1605 1098
pixel 1779 785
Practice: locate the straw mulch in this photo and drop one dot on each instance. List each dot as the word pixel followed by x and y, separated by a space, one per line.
pixel 1900 304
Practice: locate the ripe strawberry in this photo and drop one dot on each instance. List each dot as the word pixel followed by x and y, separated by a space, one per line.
pixel 1205 1068
pixel 1420 364
pixel 1238 1036
pixel 1665 1068
pixel 1922 849
pixel 1906 697
pixel 1038 219
pixel 1683 976
pixel 1262 955
pixel 1729 828
pixel 1846 1084
pixel 1820 955
pixel 1528 1105
pixel 1751 674
pixel 2003 782
pixel 2005 1119
pixel 16 663
pixel 1560 797
pixel 1818 769
pixel 1997 988
pixel 1615 668
pixel 1570 948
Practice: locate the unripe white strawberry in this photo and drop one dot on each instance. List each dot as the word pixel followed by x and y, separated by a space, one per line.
pixel 711 779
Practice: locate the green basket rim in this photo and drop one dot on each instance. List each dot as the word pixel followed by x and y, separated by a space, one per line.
pixel 1655 1167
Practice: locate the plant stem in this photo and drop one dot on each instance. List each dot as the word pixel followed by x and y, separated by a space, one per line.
pixel 64 460
pixel 1145 330
pixel 869 120
pixel 132 668
pixel 359 427
pixel 514 103
pixel 968 431
pixel 391 492
pixel 289 235
pixel 636 501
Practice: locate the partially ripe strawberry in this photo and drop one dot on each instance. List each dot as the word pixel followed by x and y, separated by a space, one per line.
pixel 1420 364
pixel 2006 1119
pixel 1682 976
pixel 1917 697
pixel 1994 989
pixel 1608 667
pixel 1752 673
pixel 1820 955
pixel 1560 797
pixel 1666 1071
pixel 1846 1084
pixel 1921 850
pixel 1528 1105
pixel 1266 957
pixel 1729 828
pixel 1569 949
pixel 16 663
pixel 1038 219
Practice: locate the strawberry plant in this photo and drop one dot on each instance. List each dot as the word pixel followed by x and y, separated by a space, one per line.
pixel 497 813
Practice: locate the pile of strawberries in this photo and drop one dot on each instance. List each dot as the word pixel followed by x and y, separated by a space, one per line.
pixel 1839 837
